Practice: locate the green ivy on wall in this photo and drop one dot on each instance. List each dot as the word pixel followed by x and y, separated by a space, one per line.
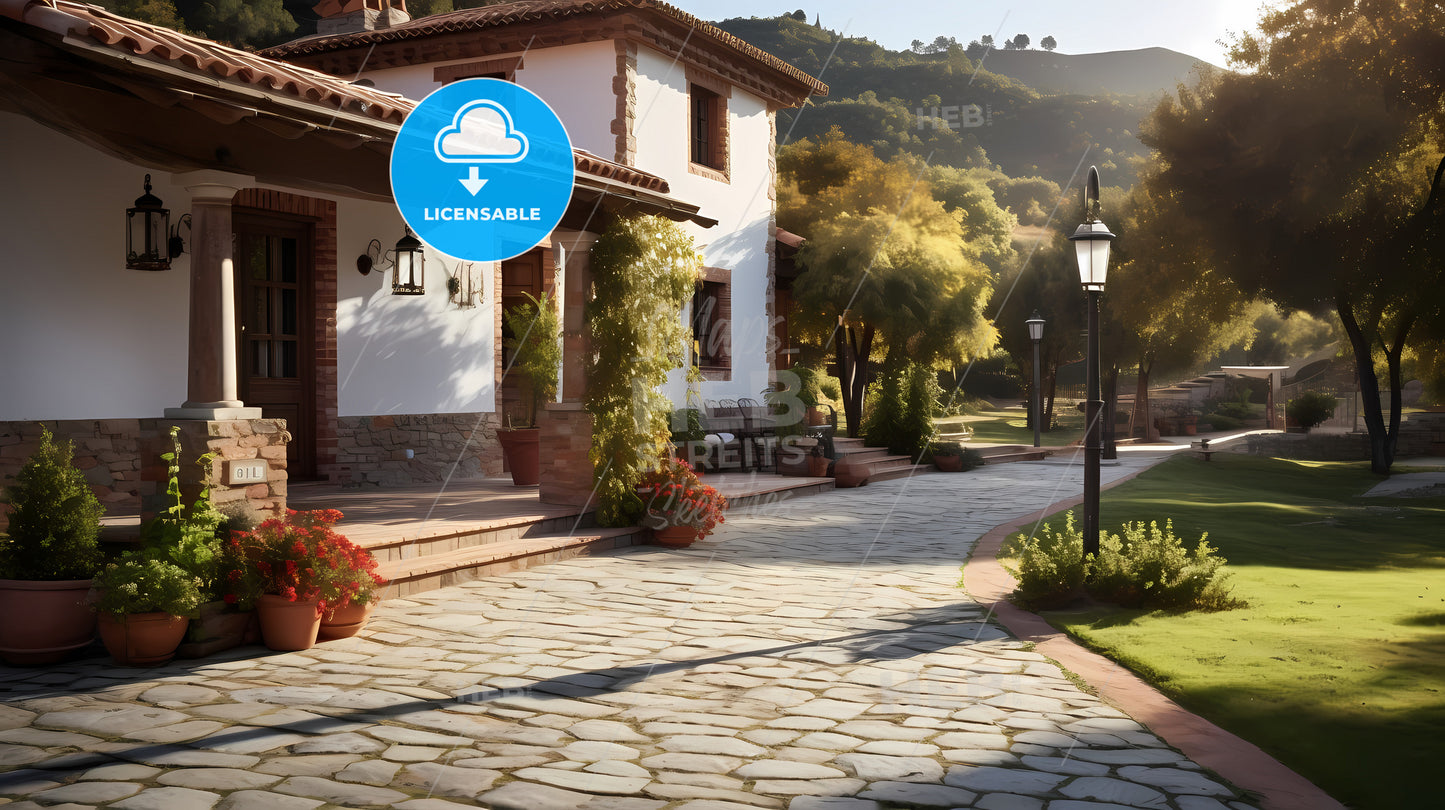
pixel 644 270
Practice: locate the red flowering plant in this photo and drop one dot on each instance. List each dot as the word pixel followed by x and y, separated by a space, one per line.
pixel 675 495
pixel 299 557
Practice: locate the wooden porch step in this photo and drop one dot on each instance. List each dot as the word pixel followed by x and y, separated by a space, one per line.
pixel 441 569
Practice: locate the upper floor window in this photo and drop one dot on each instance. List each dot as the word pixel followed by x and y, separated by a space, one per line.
pixel 707 130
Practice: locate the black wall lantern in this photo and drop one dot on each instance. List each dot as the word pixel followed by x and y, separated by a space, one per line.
pixel 147 233
pixel 408 275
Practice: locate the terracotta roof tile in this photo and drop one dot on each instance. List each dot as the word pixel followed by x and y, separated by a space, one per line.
pixel 132 37
pixel 196 55
pixel 528 11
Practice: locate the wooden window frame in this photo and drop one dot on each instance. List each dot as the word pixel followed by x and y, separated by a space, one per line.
pixel 505 69
pixel 709 96
pixel 715 283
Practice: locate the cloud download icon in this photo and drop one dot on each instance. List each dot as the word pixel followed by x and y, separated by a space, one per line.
pixel 513 145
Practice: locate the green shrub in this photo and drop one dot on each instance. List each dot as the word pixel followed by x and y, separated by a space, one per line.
pixel 1150 568
pixel 688 426
pixel 1310 408
pixel 1051 568
pixel 54 518
pixel 882 424
pixel 920 406
pixel 946 449
pixel 972 459
pixel 1142 568
pixel 830 388
pixel 1219 421
pixel 145 585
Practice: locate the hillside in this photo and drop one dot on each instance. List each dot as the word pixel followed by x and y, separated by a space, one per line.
pixel 1147 72
pixel 1033 113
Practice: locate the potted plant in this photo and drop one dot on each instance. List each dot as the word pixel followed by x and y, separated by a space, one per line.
pixel 954 457
pixel 190 538
pixel 947 456
pixel 48 558
pixel 680 509
pixel 537 356
pixel 353 587
pixel 143 604
pixel 818 462
pixel 281 566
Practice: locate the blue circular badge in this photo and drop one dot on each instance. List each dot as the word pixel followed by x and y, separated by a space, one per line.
pixel 482 170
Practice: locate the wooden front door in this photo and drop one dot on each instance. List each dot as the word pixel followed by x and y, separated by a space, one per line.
pixel 276 314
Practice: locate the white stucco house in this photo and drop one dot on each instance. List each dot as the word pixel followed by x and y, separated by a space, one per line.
pixel 274 171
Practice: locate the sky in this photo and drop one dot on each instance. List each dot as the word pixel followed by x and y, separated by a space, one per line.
pixel 1192 28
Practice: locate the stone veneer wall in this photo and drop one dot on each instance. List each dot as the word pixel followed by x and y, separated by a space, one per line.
pixel 566 442
pixel 372 449
pixel 121 458
pixel 1421 434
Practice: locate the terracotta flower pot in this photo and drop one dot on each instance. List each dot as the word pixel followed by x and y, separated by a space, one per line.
pixel 674 536
pixel 948 463
pixel 345 622
pixel 142 639
pixel 217 630
pixel 288 626
pixel 818 466
pixel 44 621
pixel 523 450
pixel 848 472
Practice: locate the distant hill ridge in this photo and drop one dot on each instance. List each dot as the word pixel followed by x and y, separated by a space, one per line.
pixel 1146 72
pixel 1030 113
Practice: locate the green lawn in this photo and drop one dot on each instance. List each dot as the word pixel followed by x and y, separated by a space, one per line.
pixel 1338 664
pixel 1011 427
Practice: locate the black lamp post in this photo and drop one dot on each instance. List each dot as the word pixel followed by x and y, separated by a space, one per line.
pixel 1091 244
pixel 1036 333
pixel 408 267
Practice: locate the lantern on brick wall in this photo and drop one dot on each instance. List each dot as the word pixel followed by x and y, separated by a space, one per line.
pixel 147 233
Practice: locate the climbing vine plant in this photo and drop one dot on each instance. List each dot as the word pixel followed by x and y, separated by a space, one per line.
pixel 644 270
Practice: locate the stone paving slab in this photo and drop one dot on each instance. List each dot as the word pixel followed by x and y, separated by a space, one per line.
pixel 815 654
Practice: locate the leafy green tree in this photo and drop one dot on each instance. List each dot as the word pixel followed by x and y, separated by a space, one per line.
pixel 1315 178
pixel 1047 281
pixel 1048 43
pixel 887 266
pixel 243 23
pixel 156 12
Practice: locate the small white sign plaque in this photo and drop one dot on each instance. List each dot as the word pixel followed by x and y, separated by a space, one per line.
pixel 247 471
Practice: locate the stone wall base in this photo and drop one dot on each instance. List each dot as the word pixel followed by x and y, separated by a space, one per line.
pixel 566 442
pixel 121 459
pixel 374 449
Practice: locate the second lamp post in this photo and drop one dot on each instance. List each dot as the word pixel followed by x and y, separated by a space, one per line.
pixel 1036 333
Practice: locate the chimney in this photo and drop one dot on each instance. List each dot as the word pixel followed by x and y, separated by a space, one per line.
pixel 353 16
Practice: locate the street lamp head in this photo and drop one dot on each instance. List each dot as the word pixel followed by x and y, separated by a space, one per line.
pixel 1091 239
pixel 1036 326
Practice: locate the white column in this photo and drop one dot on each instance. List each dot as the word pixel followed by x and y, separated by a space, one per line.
pixel 211 378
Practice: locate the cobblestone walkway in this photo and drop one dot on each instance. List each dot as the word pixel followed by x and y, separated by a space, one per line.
pixel 816 655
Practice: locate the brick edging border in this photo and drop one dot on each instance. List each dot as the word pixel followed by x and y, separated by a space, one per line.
pixel 1237 760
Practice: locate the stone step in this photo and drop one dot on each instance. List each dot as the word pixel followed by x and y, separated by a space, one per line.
pixel 901 471
pixel 1031 454
pixel 444 568
pixel 397 546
